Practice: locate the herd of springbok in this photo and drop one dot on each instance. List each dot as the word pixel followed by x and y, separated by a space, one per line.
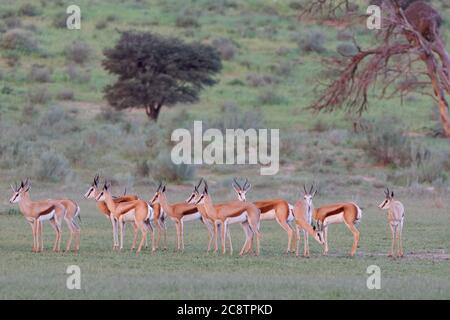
pixel 147 216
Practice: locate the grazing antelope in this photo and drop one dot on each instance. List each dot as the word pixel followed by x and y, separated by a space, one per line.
pixel 179 213
pixel 271 209
pixel 303 211
pixel 233 212
pixel 209 222
pixel 344 212
pixel 396 216
pixel 138 210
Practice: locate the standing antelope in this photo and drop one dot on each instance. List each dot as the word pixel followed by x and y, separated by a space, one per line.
pixel 233 212
pixel 303 211
pixel 93 192
pixel 179 213
pixel 209 222
pixel 271 209
pixel 54 211
pixel 138 210
pixel 344 212
pixel 396 216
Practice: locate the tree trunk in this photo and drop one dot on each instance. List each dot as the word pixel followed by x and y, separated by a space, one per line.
pixel 438 92
pixel 153 110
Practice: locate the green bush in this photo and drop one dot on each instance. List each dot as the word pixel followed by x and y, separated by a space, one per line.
pixel 163 169
pixel 312 41
pixel 52 166
pixel 20 40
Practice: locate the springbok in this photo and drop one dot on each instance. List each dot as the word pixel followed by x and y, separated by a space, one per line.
pixel 54 211
pixel 303 211
pixel 271 209
pixel 94 191
pixel 209 222
pixel 395 216
pixel 344 212
pixel 179 213
pixel 138 210
pixel 233 212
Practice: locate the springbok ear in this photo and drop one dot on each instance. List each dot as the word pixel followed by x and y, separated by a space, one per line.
pixel 163 189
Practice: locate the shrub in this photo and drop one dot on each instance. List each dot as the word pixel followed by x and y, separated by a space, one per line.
pixel 296 5
pixel 270 97
pixel 344 35
pixel 19 39
pixel 40 73
pixel 312 41
pixel 78 52
pixel 258 80
pixel 110 115
pixel 232 116
pixel 11 58
pixel 39 95
pixel 28 9
pixel 60 21
pixel 65 94
pixel 13 23
pixel 52 166
pixel 102 24
pixel 77 74
pixel 225 47
pixel 163 169
pixel 386 142
pixel 347 49
pixel 186 21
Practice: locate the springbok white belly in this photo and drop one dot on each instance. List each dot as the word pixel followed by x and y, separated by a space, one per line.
pixel 150 213
pixel 268 215
pixel 47 217
pixel 238 219
pixel 129 216
pixel 335 218
pixel 191 217
pixel 291 213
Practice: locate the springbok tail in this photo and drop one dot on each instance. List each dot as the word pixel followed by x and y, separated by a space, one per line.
pixel 358 215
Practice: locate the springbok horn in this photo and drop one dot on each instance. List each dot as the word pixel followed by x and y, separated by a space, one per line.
pixel 206 187
pixel 304 188
pixel 199 183
pixel 310 190
pixel 13 188
pixel 236 183
pixel 246 183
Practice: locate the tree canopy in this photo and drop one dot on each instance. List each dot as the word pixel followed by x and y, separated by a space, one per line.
pixel 155 71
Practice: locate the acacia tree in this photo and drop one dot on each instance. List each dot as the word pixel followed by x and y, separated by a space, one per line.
pixel 155 71
pixel 409 56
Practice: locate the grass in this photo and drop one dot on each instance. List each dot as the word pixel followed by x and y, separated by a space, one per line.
pixel 313 151
pixel 198 275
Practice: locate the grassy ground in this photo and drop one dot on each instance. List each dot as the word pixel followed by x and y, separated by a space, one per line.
pixel 421 274
pixel 82 140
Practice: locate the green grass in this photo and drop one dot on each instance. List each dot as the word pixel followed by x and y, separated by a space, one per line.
pixel 195 274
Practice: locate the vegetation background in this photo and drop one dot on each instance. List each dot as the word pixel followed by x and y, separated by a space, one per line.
pixel 56 128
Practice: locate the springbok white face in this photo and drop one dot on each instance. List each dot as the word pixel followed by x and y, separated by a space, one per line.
pixel 158 193
pixel 102 195
pixel 241 190
pixel 195 193
pixel 18 191
pixel 387 201
pixel 202 196
pixel 92 191
pixel 308 196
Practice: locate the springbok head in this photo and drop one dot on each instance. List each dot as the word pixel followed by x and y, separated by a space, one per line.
pixel 241 190
pixel 102 195
pixel 309 195
pixel 388 196
pixel 93 188
pixel 202 197
pixel 19 190
pixel 161 189
pixel 195 193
